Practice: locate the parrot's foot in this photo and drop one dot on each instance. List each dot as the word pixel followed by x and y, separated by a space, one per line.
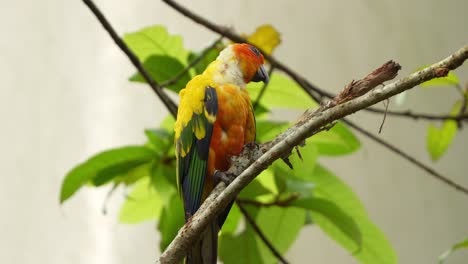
pixel 224 176
pixel 252 145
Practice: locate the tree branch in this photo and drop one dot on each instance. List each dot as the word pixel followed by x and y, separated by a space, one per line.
pixel 416 116
pixel 463 102
pixel 170 105
pixel 260 234
pixel 252 161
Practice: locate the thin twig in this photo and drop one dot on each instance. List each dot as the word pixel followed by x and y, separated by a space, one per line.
pixel 463 103
pixel 170 105
pixel 262 91
pixel 192 64
pixel 416 116
pixel 386 103
pixel 260 234
pixel 108 196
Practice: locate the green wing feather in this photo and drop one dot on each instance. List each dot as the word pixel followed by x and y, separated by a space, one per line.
pixel 192 168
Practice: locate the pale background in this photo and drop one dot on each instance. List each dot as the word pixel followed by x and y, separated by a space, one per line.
pixel 65 96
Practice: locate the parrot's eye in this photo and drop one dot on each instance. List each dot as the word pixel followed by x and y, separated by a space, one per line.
pixel 255 50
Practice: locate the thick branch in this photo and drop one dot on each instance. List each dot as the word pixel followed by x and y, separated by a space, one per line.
pixel 252 161
pixel 170 105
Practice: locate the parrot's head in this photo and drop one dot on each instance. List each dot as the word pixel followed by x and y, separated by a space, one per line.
pixel 241 64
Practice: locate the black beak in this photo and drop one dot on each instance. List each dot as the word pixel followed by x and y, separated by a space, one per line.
pixel 261 75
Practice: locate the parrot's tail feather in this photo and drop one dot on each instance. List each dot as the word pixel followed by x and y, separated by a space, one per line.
pixel 205 251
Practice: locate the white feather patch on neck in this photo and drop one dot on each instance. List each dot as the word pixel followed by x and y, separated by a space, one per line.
pixel 228 69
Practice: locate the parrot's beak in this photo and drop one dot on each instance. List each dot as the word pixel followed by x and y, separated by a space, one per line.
pixel 261 75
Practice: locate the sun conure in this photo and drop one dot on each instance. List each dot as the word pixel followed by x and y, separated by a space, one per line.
pixel 214 121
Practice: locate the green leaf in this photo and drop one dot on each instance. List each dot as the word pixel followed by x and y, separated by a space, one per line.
pixel 209 56
pixel 168 123
pixel 450 80
pixel 295 180
pixel 159 138
pixel 308 218
pixel 142 204
pixel 163 68
pixel 253 190
pixel 339 140
pixel 241 247
pixel 268 130
pixel 164 181
pixel 300 187
pixel 134 175
pixel 127 172
pixel 281 226
pixel 267 179
pixel 260 110
pixel 171 220
pixel 109 163
pixel 439 139
pixel 333 213
pixel 459 245
pixel 375 248
pixel 282 92
pixel 155 40
pixel 232 220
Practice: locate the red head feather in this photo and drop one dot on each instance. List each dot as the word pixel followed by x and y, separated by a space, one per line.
pixel 250 62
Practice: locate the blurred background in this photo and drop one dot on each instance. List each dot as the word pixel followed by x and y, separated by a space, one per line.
pixel 65 96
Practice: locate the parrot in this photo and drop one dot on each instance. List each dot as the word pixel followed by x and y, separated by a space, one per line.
pixel 215 119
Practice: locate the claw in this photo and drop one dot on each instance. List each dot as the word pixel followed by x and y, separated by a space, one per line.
pixel 252 145
pixel 299 153
pixel 288 162
pixel 223 176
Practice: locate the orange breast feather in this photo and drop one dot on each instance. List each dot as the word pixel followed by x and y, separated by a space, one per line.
pixel 234 127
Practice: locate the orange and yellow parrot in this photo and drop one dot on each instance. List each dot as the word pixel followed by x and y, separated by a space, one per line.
pixel 214 121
